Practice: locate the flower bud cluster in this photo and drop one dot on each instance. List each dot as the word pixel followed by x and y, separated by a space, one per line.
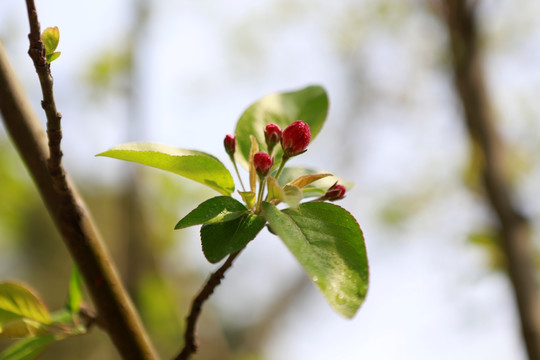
pixel 294 141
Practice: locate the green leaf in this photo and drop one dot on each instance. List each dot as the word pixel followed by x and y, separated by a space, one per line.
pixel 309 104
pixel 275 192
pixel 214 210
pixel 195 165
pixel 51 38
pixel 27 349
pixel 75 295
pixel 23 327
pixel 219 240
pixel 18 302
pixel 53 56
pixel 329 244
pixel 249 198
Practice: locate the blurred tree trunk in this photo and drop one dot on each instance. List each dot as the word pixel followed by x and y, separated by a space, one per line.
pixel 461 21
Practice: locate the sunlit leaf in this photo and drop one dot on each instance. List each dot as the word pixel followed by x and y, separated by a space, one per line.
pixel 18 302
pixel 27 349
pixel 215 210
pixel 195 165
pixel 329 244
pixel 222 239
pixel 53 56
pixel 309 105
pixel 51 38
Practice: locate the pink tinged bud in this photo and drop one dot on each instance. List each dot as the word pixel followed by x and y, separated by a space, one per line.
pixel 336 192
pixel 230 144
pixel 263 163
pixel 295 138
pixel 272 136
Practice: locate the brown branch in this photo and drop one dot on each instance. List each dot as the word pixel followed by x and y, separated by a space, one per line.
pixel 516 242
pixel 43 69
pixel 190 343
pixel 69 212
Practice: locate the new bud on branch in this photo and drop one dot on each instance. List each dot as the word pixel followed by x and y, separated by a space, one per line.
pixel 272 136
pixel 230 144
pixel 263 163
pixel 295 138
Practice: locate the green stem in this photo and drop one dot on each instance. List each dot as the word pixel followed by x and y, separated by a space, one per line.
pixel 238 173
pixel 281 166
pixel 262 183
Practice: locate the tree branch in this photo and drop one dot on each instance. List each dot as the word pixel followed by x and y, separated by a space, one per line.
pixel 470 86
pixel 67 208
pixel 190 343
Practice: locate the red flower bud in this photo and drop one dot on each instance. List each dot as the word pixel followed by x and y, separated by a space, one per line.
pixel 263 163
pixel 230 144
pixel 336 192
pixel 272 136
pixel 295 138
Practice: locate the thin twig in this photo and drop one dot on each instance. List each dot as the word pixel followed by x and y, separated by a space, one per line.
pixel 516 241
pixel 43 69
pixel 190 343
pixel 66 207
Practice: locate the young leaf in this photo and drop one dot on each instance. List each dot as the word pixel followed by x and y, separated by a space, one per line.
pixel 195 165
pixel 75 295
pixel 53 56
pixel 292 195
pixel 27 349
pixel 51 38
pixel 329 244
pixel 215 210
pixel 22 327
pixel 249 198
pixel 17 302
pixel 307 180
pixel 275 192
pixel 309 104
pixel 219 240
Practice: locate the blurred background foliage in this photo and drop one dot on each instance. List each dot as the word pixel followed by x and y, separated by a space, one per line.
pixel 181 72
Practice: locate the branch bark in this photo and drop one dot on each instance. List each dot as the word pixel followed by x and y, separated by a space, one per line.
pixel 190 343
pixel 69 212
pixel 469 82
